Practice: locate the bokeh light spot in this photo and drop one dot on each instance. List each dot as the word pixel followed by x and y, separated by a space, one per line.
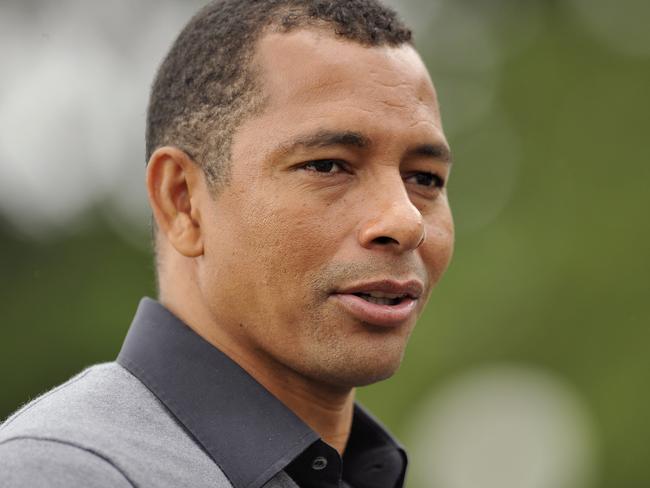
pixel 503 426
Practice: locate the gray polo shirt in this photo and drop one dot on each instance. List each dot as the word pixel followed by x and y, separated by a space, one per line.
pixel 174 411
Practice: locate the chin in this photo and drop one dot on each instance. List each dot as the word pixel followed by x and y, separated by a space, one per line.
pixel 359 367
pixel 344 353
pixel 352 378
pixel 364 378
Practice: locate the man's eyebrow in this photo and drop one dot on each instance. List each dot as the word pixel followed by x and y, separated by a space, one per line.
pixel 436 151
pixel 326 138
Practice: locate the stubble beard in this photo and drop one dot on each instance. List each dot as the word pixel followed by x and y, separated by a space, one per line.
pixel 342 352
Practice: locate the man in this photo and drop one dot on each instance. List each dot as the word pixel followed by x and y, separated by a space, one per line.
pixel 296 171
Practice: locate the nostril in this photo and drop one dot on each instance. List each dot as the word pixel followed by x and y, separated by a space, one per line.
pixel 385 240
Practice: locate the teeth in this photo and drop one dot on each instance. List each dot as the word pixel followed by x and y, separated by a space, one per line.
pixel 379 294
pixel 379 301
pixel 387 299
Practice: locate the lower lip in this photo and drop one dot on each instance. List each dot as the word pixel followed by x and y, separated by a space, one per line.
pixel 374 313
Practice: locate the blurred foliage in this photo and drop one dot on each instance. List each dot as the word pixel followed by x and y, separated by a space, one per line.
pixel 558 277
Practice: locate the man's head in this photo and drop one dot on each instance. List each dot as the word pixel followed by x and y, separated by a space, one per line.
pixel 314 256
pixel 207 84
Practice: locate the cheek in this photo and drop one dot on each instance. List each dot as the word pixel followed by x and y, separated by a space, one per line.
pixel 288 243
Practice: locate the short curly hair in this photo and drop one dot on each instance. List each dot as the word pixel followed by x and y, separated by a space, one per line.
pixel 206 86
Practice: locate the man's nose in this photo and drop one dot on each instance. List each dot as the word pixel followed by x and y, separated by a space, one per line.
pixel 393 223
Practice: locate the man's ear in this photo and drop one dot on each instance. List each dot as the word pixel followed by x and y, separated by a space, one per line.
pixel 174 187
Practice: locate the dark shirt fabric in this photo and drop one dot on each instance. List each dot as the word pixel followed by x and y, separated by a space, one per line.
pixel 248 432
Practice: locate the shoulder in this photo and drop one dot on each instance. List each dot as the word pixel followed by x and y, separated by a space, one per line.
pixel 32 462
pixel 48 441
pixel 106 418
pixel 101 397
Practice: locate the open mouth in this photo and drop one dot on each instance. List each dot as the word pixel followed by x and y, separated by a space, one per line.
pixel 378 308
pixel 382 298
pixel 387 303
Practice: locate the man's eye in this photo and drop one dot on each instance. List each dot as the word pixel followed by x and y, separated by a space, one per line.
pixel 330 166
pixel 430 180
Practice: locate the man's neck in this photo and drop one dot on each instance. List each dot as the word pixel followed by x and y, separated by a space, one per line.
pixel 326 409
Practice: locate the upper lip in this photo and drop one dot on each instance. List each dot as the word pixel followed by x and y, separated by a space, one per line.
pixel 412 288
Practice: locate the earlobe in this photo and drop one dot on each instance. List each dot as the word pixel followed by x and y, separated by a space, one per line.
pixel 174 194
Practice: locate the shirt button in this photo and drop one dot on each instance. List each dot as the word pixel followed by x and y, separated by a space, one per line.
pixel 319 463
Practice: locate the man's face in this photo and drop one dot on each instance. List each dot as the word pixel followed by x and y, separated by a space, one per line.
pixel 322 251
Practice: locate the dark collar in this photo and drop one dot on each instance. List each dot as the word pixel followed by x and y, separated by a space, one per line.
pixel 248 433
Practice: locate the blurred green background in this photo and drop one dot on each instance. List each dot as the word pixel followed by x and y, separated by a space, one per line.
pixel 547 108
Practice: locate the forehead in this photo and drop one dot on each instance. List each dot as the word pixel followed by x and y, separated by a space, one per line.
pixel 309 74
